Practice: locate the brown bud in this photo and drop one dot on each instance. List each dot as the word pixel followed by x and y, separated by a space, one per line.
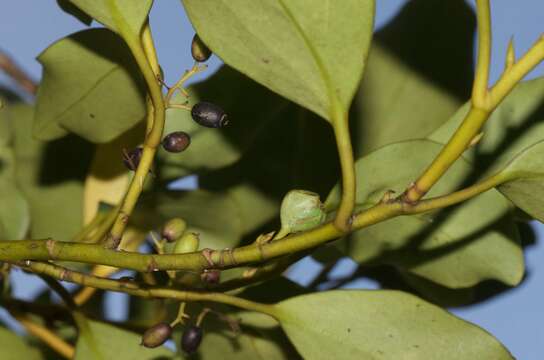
pixel 156 335
pixel 199 50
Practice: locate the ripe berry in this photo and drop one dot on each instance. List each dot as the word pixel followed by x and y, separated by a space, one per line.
pixel 156 335
pixel 132 158
pixel 176 142
pixel 191 339
pixel 199 50
pixel 173 229
pixel 209 115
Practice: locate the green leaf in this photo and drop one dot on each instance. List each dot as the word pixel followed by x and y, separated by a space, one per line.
pixel 73 10
pixel 15 348
pixel 118 15
pixel 309 59
pixel 214 216
pixel 527 189
pixel 91 86
pixel 456 247
pixel 411 85
pixel 515 125
pixel 260 338
pixel 250 108
pixel 51 177
pixel 98 341
pixel 381 325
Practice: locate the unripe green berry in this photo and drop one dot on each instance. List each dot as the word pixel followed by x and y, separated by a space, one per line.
pixel 189 242
pixel 191 339
pixel 300 210
pixel 156 335
pixel 199 50
pixel 209 115
pixel 173 229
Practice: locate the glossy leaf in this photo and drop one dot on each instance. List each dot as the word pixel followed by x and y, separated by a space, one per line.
pixel 381 325
pixel 456 247
pixel 13 347
pixel 515 125
pixel 51 177
pixel 411 84
pixel 91 86
pixel 118 15
pixel 98 341
pixel 527 190
pixel 305 58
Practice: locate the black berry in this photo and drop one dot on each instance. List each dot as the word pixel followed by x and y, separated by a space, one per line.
pixel 131 159
pixel 191 339
pixel 176 142
pixel 199 50
pixel 209 115
pixel 156 335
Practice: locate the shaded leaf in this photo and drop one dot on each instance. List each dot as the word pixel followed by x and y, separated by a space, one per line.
pixel 307 59
pixel 15 348
pixel 51 177
pixel 98 341
pixel 456 247
pixel 69 8
pixel 419 69
pixel 381 325
pixel 91 86
pixel 527 188
pixel 250 107
pixel 118 15
pixel 214 216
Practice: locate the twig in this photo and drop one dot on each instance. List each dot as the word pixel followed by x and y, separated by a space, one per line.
pixel 8 65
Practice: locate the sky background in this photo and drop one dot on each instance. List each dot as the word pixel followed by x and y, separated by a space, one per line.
pixel 515 317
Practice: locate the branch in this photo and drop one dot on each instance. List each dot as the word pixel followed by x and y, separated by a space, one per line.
pixel 8 65
pixel 133 288
pixel 219 259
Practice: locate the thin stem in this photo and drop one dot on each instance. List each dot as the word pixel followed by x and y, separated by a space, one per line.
pixel 481 78
pixel 133 288
pixel 47 336
pixel 226 258
pixel 16 73
pixel 152 140
pixel 179 84
pixel 87 292
pixel 60 290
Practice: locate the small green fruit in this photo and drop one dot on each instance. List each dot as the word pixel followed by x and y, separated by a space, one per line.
pixel 189 242
pixel 300 210
pixel 173 229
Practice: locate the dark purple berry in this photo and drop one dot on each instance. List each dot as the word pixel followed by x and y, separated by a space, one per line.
pixel 156 335
pixel 209 115
pixel 176 142
pixel 199 50
pixel 191 339
pixel 132 158
pixel 211 277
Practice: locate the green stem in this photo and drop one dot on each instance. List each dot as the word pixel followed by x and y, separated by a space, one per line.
pixel 133 288
pixel 152 140
pixel 254 253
